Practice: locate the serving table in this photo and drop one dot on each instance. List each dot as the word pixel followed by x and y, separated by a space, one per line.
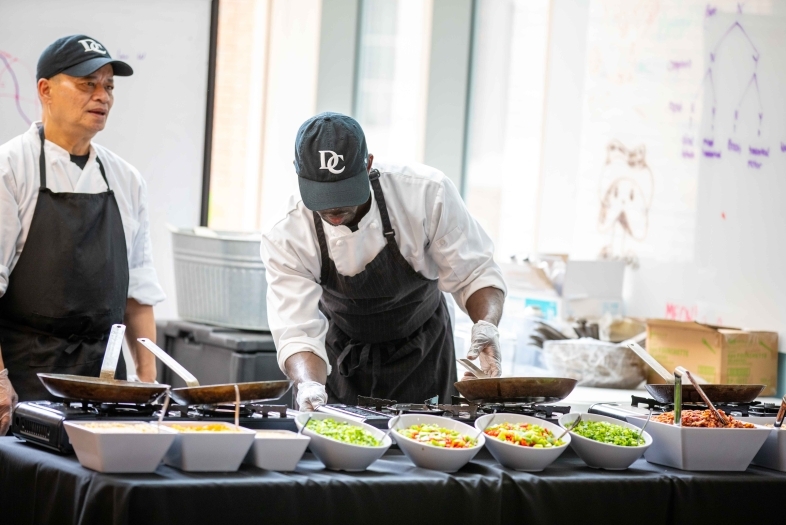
pixel 39 487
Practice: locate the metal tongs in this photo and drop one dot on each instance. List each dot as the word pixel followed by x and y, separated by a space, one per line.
pixel 781 413
pixel 679 372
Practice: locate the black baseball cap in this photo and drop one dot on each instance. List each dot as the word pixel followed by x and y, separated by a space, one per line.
pixel 331 160
pixel 77 56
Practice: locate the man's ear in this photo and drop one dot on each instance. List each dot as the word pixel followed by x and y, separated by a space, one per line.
pixel 44 90
pixel 370 162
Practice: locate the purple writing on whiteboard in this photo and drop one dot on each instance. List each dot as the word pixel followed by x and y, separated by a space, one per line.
pixel 712 154
pixel 687 154
pixel 708 142
pixel 710 11
pixel 733 146
pixel 753 164
pixel 783 147
pixel 675 65
pixel 759 152
pixel 675 107
pixel 688 141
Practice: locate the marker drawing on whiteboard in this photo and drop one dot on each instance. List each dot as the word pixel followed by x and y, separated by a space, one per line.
pixel 732 146
pixel 783 147
pixel 708 85
pixel 753 164
pixel 626 189
pixel 17 95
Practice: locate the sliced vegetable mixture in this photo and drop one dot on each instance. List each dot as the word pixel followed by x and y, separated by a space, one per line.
pixel 609 433
pixel 524 434
pixel 344 432
pixel 432 434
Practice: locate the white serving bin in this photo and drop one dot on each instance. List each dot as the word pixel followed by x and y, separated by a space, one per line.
pixel 337 455
pixel 772 453
pixel 517 457
pixel 208 451
pixel 277 450
pixel 604 455
pixel 697 448
pixel 117 451
pixel 431 457
pixel 220 278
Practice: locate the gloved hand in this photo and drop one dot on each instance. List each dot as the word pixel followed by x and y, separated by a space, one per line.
pixel 8 399
pixel 310 395
pixel 485 343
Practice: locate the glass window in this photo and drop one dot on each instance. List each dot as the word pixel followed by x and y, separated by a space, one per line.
pixel 392 76
pixel 505 120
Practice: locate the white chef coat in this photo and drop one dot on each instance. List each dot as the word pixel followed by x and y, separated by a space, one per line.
pixel 19 185
pixel 435 233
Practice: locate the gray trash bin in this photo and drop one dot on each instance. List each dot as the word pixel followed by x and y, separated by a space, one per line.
pixel 218 355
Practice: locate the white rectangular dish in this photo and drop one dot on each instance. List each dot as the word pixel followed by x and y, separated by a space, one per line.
pixel 772 453
pixel 708 449
pixel 277 450
pixel 208 451
pixel 127 448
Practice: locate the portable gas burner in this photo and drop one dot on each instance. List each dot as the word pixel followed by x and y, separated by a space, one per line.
pixel 641 406
pixel 41 422
pixel 377 412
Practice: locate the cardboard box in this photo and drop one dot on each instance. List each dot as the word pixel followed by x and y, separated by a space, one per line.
pixel 718 354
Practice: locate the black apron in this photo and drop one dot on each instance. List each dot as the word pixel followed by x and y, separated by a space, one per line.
pixel 68 288
pixel 389 333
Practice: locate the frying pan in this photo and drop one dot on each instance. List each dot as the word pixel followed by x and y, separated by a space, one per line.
pixel 193 394
pixel 516 389
pixel 104 388
pixel 716 393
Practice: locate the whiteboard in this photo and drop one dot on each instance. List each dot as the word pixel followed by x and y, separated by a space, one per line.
pixel 683 100
pixel 157 122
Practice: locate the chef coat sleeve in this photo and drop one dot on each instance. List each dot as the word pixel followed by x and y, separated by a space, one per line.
pixel 461 248
pixel 10 225
pixel 293 295
pixel 143 285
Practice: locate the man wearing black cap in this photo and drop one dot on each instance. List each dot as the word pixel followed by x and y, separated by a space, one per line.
pixel 74 232
pixel 356 272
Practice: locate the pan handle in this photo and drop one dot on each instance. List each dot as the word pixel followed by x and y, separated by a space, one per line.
pixel 169 361
pixel 112 352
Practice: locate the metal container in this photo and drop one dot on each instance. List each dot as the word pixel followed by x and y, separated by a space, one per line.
pixel 220 278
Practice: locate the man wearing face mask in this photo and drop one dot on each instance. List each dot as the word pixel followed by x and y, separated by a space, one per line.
pixel 356 271
pixel 75 253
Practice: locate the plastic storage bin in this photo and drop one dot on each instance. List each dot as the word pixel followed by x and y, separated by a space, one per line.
pixel 220 278
pixel 217 355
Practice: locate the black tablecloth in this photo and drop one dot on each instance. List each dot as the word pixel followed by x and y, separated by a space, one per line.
pixel 40 487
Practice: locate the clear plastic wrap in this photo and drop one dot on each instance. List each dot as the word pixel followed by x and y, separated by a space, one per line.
pixel 594 363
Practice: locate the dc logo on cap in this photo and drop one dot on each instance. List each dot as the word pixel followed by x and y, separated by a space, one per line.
pixel 331 163
pixel 91 45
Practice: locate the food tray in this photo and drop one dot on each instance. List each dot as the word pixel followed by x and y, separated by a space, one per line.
pixel 119 452
pixel 277 450
pixel 208 451
pixel 702 449
pixel 772 453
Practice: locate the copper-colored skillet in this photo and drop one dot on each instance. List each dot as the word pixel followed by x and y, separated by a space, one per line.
pixel 516 389
pixel 104 388
pixel 194 394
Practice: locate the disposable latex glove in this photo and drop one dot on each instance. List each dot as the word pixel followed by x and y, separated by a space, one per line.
pixel 310 395
pixel 485 344
pixel 8 399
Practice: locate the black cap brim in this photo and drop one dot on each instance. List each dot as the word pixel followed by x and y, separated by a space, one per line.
pixel 318 196
pixel 88 67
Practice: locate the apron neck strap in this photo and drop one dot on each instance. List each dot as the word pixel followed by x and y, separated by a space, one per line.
pixel 42 157
pixel 42 162
pixel 387 228
pixel 323 249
